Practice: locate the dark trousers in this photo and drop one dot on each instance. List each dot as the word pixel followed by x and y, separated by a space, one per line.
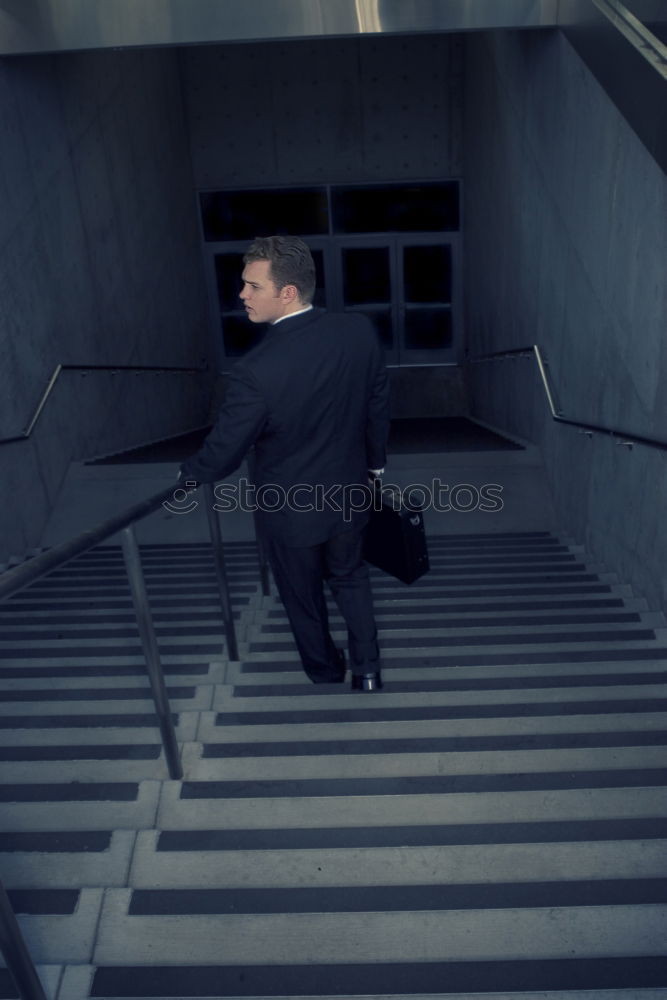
pixel 300 574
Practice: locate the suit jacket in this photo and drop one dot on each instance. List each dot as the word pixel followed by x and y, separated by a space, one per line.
pixel 313 399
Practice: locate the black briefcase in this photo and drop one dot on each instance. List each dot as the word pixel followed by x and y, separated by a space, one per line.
pixel 395 540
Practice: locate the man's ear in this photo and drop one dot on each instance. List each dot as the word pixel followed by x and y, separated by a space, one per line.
pixel 289 293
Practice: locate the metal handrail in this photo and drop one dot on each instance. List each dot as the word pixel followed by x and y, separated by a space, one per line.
pixel 625 437
pixel 15 953
pixel 59 369
pixel 12 944
pixel 644 41
pixel 21 576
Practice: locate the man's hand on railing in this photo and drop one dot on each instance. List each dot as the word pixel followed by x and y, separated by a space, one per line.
pixel 189 485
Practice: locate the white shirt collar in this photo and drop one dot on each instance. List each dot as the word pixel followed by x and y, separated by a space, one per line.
pixel 291 315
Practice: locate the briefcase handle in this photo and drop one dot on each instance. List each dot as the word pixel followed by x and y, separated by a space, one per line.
pixel 397 498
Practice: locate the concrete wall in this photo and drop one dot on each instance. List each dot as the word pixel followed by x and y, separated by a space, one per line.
pixel 327 110
pixel 99 265
pixel 566 246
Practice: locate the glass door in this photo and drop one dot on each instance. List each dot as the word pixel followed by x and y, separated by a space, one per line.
pixel 404 284
pixel 365 283
pixel 426 300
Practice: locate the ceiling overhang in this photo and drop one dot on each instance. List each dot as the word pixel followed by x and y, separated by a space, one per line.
pixel 31 26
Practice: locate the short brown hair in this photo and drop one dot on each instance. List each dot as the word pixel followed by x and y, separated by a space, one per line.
pixel 291 262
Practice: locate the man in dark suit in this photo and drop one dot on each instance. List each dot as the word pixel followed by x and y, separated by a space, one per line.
pixel 313 400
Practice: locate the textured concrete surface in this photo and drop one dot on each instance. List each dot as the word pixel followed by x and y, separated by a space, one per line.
pixel 569 230
pixel 94 270
pixel 375 108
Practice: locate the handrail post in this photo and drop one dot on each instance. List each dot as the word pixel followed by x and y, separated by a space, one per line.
pixel 151 652
pixel 542 367
pixel 259 543
pixel 15 952
pixel 221 572
pixel 262 560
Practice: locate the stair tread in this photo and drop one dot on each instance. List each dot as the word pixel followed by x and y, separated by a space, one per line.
pixel 394 979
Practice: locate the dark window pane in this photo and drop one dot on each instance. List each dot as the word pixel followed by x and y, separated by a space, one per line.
pixel 428 329
pixel 399 208
pixel 239 335
pixel 228 269
pixel 382 323
pixel 427 274
pixel 366 275
pixel 242 215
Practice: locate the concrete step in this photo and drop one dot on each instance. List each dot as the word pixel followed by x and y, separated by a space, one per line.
pixel 48 625
pixel 445 617
pixel 72 806
pixel 463 732
pixel 481 652
pixel 490 580
pixel 391 981
pixel 29 602
pixel 95 764
pixel 109 702
pixel 155 866
pixel 479 688
pixel 127 673
pixel 104 727
pixel 458 632
pixel 92 681
pixel 520 593
pixel 33 646
pixel 387 706
pixel 158 593
pixel 67 859
pixel 289 673
pixel 201 767
pixel 205 612
pixel 63 924
pixel 37 632
pixel 627 656
pixel 209 805
pixel 135 730
pixel 96 688
pixel 452 607
pixel 107 568
pixel 213 728
pixel 353 930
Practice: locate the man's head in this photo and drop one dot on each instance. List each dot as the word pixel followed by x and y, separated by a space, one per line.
pixel 278 278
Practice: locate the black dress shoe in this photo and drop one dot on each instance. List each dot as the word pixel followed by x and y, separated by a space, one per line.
pixel 331 678
pixel 367 682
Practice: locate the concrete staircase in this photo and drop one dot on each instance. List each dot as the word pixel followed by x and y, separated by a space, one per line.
pixel 493 822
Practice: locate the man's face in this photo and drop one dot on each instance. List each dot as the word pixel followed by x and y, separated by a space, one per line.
pixel 262 300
